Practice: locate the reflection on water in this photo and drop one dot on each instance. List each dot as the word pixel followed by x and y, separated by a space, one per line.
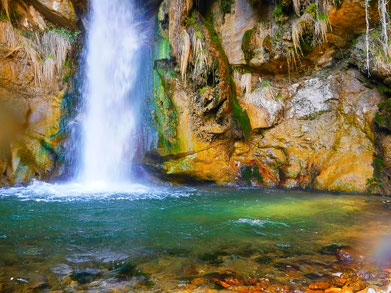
pixel 55 238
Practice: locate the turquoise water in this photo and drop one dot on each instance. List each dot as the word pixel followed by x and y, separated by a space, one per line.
pixel 46 234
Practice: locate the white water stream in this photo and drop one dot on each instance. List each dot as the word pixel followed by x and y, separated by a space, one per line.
pixel 113 45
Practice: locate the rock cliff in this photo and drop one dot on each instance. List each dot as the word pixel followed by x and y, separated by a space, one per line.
pixel 273 94
pixel 290 93
pixel 38 45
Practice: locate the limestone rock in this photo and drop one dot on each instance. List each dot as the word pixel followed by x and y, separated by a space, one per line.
pixel 231 27
pixel 31 95
pixel 60 12
pixel 310 99
pixel 263 107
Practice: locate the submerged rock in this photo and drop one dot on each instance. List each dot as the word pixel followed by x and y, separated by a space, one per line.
pixel 85 276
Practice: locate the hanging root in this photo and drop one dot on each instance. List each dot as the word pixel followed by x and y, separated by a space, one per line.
pixel 320 31
pixel 296 7
pixel 384 16
pixel 200 57
pixel 46 53
pixel 56 47
pixel 299 27
pixel 185 52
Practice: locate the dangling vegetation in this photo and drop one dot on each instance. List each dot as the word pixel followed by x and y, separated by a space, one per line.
pixel 313 23
pixel 199 53
pixel 184 53
pixel 367 35
pixel 296 6
pixel 384 17
pixel 46 52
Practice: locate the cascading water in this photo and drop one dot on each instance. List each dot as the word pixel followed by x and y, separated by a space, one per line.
pixel 109 125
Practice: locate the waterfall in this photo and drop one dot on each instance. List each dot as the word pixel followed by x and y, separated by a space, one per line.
pixel 110 102
pixel 367 34
pixel 384 16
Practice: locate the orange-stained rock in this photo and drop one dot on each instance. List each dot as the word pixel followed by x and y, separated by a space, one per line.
pixel 333 290
pixel 339 281
pixel 319 286
pixel 221 283
pixel 30 97
pixel 199 281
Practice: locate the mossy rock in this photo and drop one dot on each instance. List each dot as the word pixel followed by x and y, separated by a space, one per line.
pixel 383 117
pixel 85 276
pixel 246 45
pixel 250 173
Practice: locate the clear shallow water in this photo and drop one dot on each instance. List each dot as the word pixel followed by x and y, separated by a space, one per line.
pixel 48 231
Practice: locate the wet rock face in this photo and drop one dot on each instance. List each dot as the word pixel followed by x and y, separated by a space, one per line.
pixel 302 116
pixel 34 75
pixel 325 140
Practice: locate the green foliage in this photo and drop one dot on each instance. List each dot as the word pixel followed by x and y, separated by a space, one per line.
pixel 192 22
pixel 277 12
pixel 323 16
pixel 72 35
pixel 312 10
pixel 265 83
pixel 203 90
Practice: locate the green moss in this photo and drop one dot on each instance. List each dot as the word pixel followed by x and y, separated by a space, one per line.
pixel 386 105
pixel 323 16
pixel 165 118
pixel 250 173
pixel 265 83
pixel 203 90
pixel 47 147
pixel 379 120
pixel 277 12
pixel 246 44
pixel 72 35
pixel 239 115
pixel 191 21
pixel 312 10
pixel 3 16
pixel 376 181
pixel 226 5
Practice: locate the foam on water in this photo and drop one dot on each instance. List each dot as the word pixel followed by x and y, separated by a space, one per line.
pixel 259 222
pixel 46 192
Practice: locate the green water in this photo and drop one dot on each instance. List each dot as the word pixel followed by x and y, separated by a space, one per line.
pixel 167 232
